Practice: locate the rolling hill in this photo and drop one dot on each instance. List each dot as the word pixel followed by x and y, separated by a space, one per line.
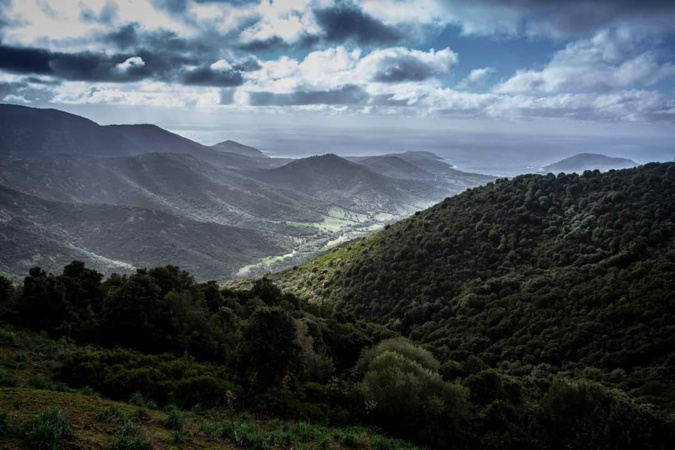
pixel 421 165
pixel 38 232
pixel 588 161
pixel 175 183
pixel 31 132
pixel 526 275
pixel 353 186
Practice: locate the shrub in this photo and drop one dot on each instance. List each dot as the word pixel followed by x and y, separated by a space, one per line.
pixel 141 415
pixel 210 429
pixel 403 347
pixel 49 429
pixel 7 380
pixel 130 443
pixel 4 424
pixel 111 414
pixel 175 419
pixel 179 436
pixel 42 381
pixel 137 399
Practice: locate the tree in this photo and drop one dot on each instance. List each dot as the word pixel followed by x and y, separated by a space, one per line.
pixel 270 338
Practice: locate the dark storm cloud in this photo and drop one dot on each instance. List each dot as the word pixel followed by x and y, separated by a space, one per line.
pixel 120 68
pixel 347 22
pixel 82 66
pixel 403 67
pixel 206 76
pixel 573 16
pixel 131 36
pixel 347 95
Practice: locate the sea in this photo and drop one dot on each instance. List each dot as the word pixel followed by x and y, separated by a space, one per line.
pixel 500 153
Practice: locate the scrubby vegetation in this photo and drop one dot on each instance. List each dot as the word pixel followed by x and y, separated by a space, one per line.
pixel 534 313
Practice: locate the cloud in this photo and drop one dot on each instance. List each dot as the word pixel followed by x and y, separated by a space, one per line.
pixel 220 74
pixel 559 18
pixel 334 68
pixel 476 78
pixel 122 68
pixel 611 59
pixel 73 66
pixel 396 65
pixel 347 22
pixel 346 95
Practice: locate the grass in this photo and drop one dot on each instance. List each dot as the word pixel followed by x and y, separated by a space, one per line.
pixel 48 430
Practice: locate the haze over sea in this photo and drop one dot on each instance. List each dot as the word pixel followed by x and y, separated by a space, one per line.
pixel 501 153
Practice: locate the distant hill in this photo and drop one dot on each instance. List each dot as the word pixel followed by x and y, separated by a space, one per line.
pixel 588 161
pixel 421 166
pixel 240 149
pixel 35 231
pixel 175 183
pixel 395 167
pixel 539 276
pixel 32 132
pixel 352 186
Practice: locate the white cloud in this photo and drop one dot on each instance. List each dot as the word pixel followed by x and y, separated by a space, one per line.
pixel 15 99
pixel 338 67
pixel 133 62
pixel 289 20
pixel 611 59
pixel 221 64
pixel 476 78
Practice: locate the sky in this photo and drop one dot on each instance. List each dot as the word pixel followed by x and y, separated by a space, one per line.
pixel 574 69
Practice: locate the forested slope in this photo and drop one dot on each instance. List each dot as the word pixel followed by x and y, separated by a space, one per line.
pixel 537 275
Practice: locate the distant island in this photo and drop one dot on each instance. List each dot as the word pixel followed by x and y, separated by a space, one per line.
pixel 239 149
pixel 589 161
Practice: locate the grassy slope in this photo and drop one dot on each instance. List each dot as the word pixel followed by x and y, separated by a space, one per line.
pixel 26 360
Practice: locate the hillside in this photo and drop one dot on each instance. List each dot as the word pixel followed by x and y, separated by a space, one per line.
pixel 37 411
pixel 111 238
pixel 240 149
pixel 395 167
pixel 588 161
pixel 175 183
pixel 352 186
pixel 537 276
pixel 421 165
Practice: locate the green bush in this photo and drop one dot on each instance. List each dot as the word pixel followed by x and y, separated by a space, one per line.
pixel 4 424
pixel 175 419
pixel 7 380
pixel 49 430
pixel 42 381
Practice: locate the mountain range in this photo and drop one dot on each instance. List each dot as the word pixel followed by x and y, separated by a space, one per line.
pixel 287 210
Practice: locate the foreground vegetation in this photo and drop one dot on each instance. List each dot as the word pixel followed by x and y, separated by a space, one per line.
pixel 534 313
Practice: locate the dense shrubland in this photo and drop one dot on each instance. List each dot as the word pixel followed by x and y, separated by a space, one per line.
pixel 537 276
pixel 535 313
